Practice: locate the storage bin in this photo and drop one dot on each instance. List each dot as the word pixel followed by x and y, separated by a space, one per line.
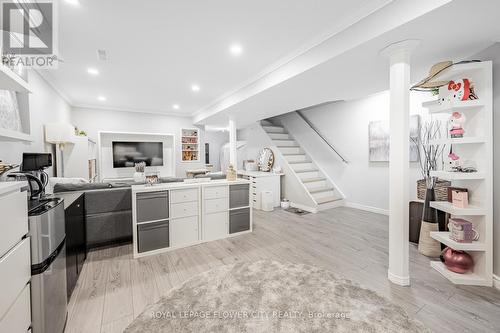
pixel 152 206
pixel 239 195
pixel 152 236
pixel 239 220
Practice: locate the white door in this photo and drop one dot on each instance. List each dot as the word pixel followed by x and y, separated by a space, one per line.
pixel 215 226
pixel 183 231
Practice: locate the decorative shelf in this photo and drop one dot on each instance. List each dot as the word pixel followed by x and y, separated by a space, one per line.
pixel 448 207
pixel 11 81
pixel 446 175
pixel 435 107
pixel 458 141
pixel 467 278
pixel 444 238
pixel 9 135
pixel 193 136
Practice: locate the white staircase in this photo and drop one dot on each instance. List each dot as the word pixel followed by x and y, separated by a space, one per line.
pixel 319 187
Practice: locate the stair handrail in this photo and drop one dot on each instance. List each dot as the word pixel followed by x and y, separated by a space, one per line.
pixel 301 115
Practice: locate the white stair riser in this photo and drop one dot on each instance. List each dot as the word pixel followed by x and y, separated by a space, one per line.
pixel 274 129
pixel 296 158
pixel 290 150
pixel 325 194
pixel 282 143
pixel 266 123
pixel 311 185
pixel 305 175
pixel 302 166
pixel 277 136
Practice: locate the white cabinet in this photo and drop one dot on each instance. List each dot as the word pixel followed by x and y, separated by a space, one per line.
pixel 14 221
pixel 15 261
pixel 263 181
pixel 215 226
pixel 184 231
pixel 79 158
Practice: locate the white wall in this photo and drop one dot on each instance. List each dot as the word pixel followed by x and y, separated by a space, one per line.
pixel 493 53
pixel 105 157
pixel 345 126
pixel 46 106
pixel 216 140
pixel 92 121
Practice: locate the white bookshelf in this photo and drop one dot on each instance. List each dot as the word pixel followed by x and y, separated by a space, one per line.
pixel 477 146
pixel 190 144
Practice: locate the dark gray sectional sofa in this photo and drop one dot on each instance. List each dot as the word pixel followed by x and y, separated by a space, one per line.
pixel 108 210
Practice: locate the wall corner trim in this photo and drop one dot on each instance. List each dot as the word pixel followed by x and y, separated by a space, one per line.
pixel 496 281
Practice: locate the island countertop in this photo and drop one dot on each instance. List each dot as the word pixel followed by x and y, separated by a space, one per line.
pixel 177 185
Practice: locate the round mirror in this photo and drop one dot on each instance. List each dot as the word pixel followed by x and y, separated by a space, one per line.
pixel 266 160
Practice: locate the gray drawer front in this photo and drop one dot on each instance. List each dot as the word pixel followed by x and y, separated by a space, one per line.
pixel 239 220
pixel 238 195
pixel 152 236
pixel 152 206
pixel 108 227
pixel 109 200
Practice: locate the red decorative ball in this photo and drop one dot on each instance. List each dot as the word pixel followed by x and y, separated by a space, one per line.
pixel 457 261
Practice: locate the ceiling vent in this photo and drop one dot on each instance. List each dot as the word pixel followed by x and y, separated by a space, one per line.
pixel 101 55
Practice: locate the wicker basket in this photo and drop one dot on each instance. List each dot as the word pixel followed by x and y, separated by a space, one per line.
pixel 441 189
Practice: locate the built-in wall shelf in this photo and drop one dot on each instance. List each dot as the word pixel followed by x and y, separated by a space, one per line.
pixel 458 141
pixel 444 238
pixel 190 145
pixel 435 107
pixel 447 175
pixel 11 81
pixel 467 278
pixel 448 207
pixel 9 135
pixel 477 148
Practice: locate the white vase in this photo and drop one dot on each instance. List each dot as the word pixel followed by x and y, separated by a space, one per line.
pixel 139 177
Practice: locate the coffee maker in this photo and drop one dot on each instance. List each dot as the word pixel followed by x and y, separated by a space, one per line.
pixel 33 170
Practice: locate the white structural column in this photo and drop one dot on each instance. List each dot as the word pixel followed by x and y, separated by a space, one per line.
pixel 399 160
pixel 233 159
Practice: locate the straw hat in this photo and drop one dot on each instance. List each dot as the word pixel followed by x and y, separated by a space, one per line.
pixel 435 70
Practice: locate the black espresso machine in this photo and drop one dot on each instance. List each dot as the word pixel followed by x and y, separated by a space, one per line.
pixel 32 170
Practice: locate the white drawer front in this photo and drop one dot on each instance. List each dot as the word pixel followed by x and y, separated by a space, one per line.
pixel 216 205
pixel 215 226
pixel 184 209
pixel 216 192
pixel 14 220
pixel 186 195
pixel 18 318
pixel 184 231
pixel 15 272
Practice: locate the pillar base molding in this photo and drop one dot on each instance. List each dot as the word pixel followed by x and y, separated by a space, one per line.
pixel 399 280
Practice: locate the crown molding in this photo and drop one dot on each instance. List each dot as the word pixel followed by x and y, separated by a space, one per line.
pixel 121 109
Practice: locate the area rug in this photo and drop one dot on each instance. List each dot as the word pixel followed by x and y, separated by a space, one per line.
pixel 269 296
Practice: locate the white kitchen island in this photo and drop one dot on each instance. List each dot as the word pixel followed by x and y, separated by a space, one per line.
pixel 169 216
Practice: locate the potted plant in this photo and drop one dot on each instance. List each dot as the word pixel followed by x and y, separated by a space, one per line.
pixel 428 155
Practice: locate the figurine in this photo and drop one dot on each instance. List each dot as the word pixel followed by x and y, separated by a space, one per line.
pixel 462 90
pixel 457 121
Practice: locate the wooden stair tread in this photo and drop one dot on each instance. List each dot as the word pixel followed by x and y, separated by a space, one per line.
pixel 307 170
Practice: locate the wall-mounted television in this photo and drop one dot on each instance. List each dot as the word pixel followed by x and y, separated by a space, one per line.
pixel 127 154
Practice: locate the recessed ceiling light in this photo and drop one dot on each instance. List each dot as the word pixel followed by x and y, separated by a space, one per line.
pixel 175 106
pixel 236 49
pixel 73 2
pixel 101 98
pixel 195 87
pixel 92 71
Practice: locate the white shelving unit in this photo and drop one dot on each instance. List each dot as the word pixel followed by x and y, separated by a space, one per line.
pixel 9 80
pixel 477 146
pixel 190 144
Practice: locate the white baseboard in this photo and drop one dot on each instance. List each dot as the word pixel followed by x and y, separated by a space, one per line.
pixel 496 281
pixel 399 280
pixel 303 207
pixel 367 208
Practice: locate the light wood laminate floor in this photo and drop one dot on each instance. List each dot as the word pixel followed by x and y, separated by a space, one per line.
pixel 114 288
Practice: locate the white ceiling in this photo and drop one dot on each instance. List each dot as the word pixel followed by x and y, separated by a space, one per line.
pixel 157 48
pixel 447 33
